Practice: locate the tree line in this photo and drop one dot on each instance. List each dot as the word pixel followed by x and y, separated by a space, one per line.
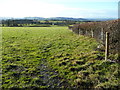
pixel 26 22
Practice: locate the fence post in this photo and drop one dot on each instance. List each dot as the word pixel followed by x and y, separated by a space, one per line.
pixel 102 37
pixel 79 31
pixel 118 48
pixel 92 33
pixel 107 46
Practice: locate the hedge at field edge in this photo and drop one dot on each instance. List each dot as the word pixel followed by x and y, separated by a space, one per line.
pixel 98 30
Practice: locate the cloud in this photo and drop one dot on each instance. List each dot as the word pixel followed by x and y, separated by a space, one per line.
pixel 42 8
pixel 88 12
pixel 80 1
pixel 23 8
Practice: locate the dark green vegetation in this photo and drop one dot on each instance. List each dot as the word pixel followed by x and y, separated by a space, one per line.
pixel 30 54
pixel 42 22
pixel 36 23
pixel 98 31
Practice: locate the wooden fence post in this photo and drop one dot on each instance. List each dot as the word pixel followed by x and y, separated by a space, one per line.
pixel 92 33
pixel 118 48
pixel 79 31
pixel 107 46
pixel 102 37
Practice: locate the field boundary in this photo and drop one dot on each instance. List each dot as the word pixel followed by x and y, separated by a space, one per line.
pixel 98 31
pixel 0 54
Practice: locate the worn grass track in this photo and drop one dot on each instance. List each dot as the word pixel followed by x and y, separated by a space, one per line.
pixel 42 57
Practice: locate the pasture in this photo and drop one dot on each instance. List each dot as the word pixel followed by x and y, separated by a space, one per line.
pixel 48 57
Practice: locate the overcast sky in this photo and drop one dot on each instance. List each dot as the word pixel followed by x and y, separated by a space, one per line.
pixel 59 8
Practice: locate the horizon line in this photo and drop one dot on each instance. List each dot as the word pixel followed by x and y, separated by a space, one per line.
pixel 54 17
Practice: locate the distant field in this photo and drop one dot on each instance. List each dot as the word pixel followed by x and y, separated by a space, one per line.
pixel 44 57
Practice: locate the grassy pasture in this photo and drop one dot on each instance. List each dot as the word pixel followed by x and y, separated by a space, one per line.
pixel 73 57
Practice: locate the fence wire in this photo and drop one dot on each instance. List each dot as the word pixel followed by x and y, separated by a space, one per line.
pixel 0 53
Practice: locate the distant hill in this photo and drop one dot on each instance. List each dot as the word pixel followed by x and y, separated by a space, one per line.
pixel 60 18
pixel 67 18
pixel 100 19
pixel 34 18
pixel 5 18
pixel 56 18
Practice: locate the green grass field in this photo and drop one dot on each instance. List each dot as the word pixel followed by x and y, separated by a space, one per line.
pixel 27 51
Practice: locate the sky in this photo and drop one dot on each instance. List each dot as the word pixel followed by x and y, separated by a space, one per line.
pixel 59 8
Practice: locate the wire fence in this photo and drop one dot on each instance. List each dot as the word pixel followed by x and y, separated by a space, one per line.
pixel 98 31
pixel 0 55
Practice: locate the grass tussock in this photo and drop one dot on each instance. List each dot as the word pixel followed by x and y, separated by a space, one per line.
pixel 73 57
